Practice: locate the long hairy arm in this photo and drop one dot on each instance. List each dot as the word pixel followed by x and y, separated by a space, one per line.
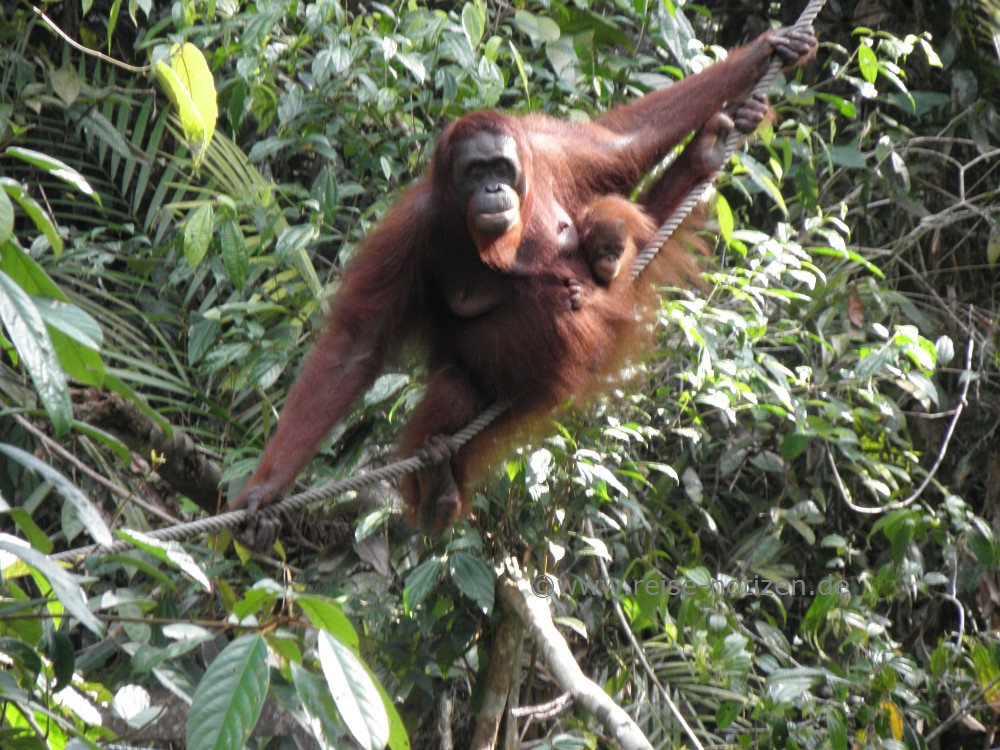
pixel 371 314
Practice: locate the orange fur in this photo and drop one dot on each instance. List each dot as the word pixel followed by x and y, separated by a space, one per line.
pixel 531 347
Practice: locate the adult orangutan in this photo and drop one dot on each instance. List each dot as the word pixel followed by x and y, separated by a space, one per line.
pixel 478 264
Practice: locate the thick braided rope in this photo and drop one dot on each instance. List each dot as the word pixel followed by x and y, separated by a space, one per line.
pixel 215 524
pixel 235 518
pixel 684 210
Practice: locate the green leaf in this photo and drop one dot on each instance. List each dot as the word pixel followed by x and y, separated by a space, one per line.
pixel 329 616
pixel 474 23
pixel 846 107
pixel 189 85
pixel 420 581
pixel 66 84
pixel 201 337
pixel 170 552
pixel 6 217
pixel 64 585
pixel 23 656
pixel 760 175
pixel 26 272
pixel 59 650
pixel 86 511
pixel 413 64
pixel 26 524
pixel 72 321
pixel 398 738
pixel 229 697
pixel 324 190
pixel 727 712
pixel 793 444
pixel 371 522
pixel 868 63
pixel 981 541
pixel 318 706
pixel 30 337
pixel 522 74
pixel 77 339
pixel 354 693
pixel 474 578
pixel 788 685
pixel 234 252
pixel 807 184
pixel 77 361
pixel 837 729
pixel 848 156
pixel 55 168
pixel 538 29
pixel 293 240
pixel 36 213
pixel 724 214
pixel 198 234
pixel 992 245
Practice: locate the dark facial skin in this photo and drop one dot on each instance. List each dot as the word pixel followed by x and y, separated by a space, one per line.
pixel 605 243
pixel 500 341
pixel 489 181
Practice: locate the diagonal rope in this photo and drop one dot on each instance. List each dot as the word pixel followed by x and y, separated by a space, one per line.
pixel 697 193
pixel 235 518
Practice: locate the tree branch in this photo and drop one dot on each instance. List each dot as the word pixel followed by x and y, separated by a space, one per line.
pixel 186 469
pixel 534 612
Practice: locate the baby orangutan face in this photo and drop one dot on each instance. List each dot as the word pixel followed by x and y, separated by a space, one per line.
pixel 604 241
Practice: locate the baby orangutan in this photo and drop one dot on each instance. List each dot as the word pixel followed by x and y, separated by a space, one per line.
pixel 612 232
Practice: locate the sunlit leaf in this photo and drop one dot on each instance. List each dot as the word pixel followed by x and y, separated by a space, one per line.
pixel 328 615
pixel 55 168
pixel 868 63
pixel 230 696
pixel 198 234
pixel 189 85
pixel 169 552
pixel 35 212
pixel 64 585
pixel 354 693
pixel 27 331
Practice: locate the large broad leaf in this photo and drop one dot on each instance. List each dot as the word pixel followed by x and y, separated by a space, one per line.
pixel 538 28
pixel 64 585
pixel 27 331
pixel 189 84
pixel 76 338
pixel 198 233
pixel 26 272
pixel 420 581
pixel 354 693
pixel 229 698
pixel 234 252
pixel 328 615
pixel 169 552
pixel 474 578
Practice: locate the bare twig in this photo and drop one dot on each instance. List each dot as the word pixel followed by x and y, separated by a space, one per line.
pixel 544 710
pixel 143 70
pixel 53 446
pixel 942 452
pixel 640 654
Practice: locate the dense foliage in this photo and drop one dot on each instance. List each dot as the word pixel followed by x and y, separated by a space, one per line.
pixel 775 524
